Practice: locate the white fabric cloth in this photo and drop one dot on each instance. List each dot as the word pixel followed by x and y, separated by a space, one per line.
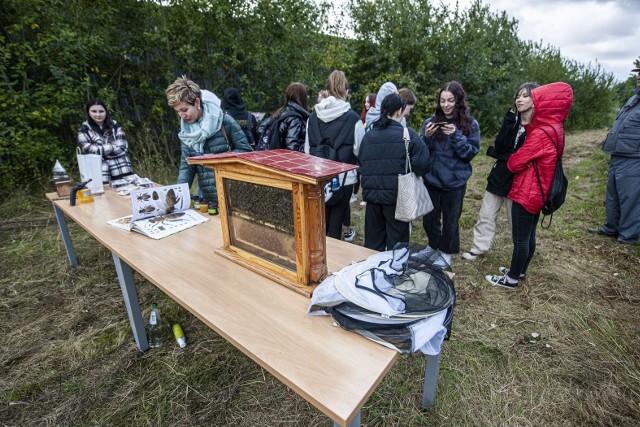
pixel 427 334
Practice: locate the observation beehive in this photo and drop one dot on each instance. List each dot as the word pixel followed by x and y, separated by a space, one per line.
pixel 271 207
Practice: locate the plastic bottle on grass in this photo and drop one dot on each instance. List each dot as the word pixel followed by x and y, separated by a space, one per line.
pixel 155 327
pixel 179 335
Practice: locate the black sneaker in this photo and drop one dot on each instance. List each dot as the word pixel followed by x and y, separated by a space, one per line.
pixel 505 271
pixel 601 232
pixel 501 281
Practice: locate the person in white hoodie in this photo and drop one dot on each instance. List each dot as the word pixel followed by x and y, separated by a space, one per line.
pixel 334 131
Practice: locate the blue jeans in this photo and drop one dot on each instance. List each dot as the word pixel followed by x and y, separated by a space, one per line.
pixel 523 231
pixel 447 206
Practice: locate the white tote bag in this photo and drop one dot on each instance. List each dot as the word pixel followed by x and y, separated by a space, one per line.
pixel 413 198
pixel 90 166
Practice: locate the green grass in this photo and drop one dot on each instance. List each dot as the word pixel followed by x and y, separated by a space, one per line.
pixel 69 358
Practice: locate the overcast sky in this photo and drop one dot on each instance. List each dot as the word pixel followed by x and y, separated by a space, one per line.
pixel 583 30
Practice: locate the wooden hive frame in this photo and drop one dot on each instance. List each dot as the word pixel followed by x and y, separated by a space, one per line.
pixel 304 177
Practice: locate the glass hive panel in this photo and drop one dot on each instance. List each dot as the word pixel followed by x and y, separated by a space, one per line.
pixel 261 221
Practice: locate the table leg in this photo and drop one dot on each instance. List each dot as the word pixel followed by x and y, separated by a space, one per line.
pixel 354 423
pixel 68 244
pixel 431 372
pixel 130 296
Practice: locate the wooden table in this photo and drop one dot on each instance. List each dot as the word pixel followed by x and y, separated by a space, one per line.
pixel 333 369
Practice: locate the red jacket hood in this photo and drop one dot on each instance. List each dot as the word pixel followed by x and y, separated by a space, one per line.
pixel 551 104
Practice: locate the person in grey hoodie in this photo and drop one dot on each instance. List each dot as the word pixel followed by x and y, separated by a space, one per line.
pixel 334 131
pixel 373 114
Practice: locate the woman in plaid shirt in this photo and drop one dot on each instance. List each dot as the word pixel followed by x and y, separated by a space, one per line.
pixel 99 134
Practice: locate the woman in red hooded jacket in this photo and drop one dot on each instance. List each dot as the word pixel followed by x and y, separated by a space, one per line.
pixel 533 165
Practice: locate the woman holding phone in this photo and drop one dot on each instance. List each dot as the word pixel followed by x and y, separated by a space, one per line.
pixel 453 139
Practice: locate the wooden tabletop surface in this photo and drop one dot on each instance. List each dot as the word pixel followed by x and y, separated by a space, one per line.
pixel 333 369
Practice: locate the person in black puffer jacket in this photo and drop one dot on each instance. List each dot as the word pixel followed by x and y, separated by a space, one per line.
pixel 511 137
pixel 292 130
pixel 382 159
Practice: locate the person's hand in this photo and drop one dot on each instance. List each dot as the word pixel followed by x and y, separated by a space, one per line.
pixel 430 129
pixel 448 129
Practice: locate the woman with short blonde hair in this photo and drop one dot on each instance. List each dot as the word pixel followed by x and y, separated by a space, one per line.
pixel 204 129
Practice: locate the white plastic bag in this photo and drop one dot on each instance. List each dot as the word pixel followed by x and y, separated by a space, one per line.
pixel 90 166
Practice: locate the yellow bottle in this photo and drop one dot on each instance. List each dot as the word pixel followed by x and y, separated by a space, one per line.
pixel 179 335
pixel 84 196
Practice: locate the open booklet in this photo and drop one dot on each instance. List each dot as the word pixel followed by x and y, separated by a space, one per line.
pixel 160 211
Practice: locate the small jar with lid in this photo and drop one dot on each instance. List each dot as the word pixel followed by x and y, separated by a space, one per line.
pixel 212 208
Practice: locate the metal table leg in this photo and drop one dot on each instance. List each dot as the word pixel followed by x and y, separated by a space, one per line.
pixel 431 372
pixel 68 244
pixel 130 296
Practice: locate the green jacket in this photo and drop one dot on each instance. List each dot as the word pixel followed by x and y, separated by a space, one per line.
pixel 214 145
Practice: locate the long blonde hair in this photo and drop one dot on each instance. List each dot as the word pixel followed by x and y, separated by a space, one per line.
pixel 337 85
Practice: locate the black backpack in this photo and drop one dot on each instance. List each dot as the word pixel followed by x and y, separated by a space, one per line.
pixel 247 128
pixel 557 190
pixel 328 147
pixel 270 136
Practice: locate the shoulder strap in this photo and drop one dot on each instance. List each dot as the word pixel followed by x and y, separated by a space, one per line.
pixel 224 133
pixel 555 142
pixel 314 128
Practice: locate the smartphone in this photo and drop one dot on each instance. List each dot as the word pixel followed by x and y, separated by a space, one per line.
pixel 439 124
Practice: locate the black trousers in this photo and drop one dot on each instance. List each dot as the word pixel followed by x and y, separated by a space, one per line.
pixel 336 209
pixel 381 228
pixel 523 233
pixel 442 224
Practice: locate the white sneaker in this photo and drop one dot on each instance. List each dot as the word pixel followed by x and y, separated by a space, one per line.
pixel 349 235
pixel 363 203
pixel 471 256
pixel 354 198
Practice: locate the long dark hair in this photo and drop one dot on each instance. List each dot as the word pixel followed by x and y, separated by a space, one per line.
pixel 391 103
pixel 528 87
pixel 372 103
pixel 108 124
pixel 296 92
pixel 461 116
